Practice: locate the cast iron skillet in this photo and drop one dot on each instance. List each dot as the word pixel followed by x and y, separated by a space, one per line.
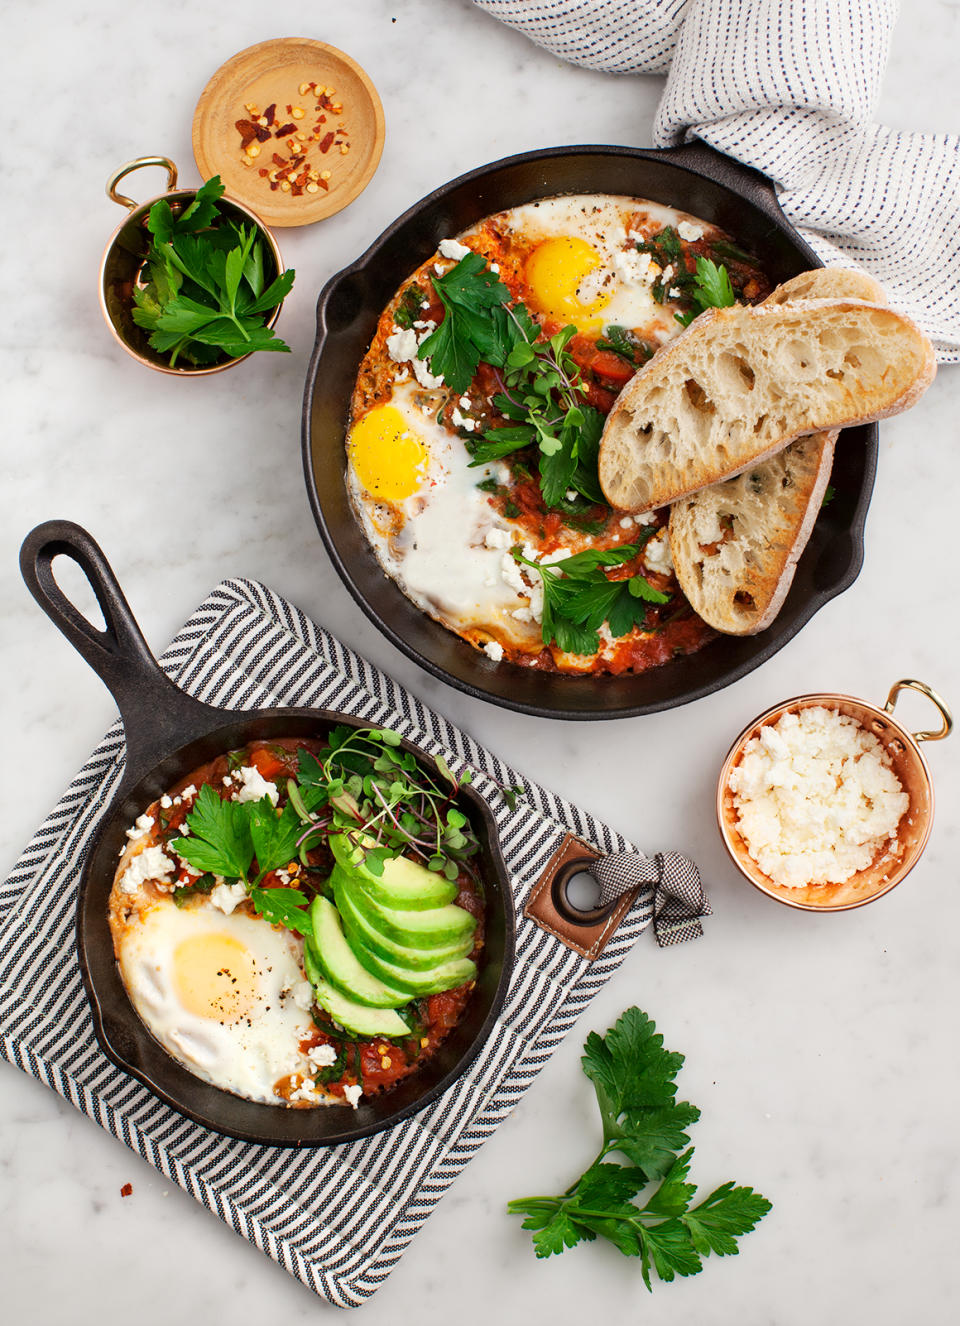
pixel 167 735
pixel 693 178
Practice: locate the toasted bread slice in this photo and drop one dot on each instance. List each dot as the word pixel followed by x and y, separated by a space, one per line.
pixel 829 283
pixel 741 383
pixel 736 544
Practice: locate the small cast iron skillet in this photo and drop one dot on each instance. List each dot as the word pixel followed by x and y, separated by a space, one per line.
pixel 167 735
pixel 695 179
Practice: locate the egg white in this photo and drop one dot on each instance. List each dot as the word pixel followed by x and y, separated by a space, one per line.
pixel 246 1054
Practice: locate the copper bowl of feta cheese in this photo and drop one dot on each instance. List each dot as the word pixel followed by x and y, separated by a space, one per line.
pixel 825 802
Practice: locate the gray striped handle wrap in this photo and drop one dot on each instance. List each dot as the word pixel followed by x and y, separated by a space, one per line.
pixel 679 901
pixel 340 1218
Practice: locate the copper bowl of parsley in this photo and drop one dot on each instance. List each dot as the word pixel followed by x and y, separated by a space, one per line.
pixel 191 282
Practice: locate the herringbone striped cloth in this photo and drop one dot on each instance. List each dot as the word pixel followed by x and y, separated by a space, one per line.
pixel 790 87
pixel 338 1218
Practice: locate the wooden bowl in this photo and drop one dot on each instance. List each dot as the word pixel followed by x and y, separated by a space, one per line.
pixel 272 73
pixel 910 767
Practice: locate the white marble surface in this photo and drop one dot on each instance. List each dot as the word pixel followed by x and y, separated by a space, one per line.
pixel 822 1050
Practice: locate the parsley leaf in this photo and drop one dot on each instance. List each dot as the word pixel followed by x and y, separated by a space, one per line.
pixel 275 836
pixel 219 840
pixel 283 907
pixel 635 1080
pixel 625 344
pixel 578 598
pixel 202 292
pixel 712 290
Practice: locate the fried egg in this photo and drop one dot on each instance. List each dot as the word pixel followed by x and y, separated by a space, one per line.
pixel 222 993
pixel 432 528
pixel 582 265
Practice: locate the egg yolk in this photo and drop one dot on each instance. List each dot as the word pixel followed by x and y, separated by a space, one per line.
pixel 555 271
pixel 388 457
pixel 215 977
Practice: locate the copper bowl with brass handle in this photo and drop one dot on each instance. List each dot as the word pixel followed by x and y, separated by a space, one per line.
pixel 896 861
pixel 124 256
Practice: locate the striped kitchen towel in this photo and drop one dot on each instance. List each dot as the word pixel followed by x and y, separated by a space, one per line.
pixel 790 87
pixel 337 1218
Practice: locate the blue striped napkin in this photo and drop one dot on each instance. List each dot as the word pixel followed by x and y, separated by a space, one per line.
pixel 338 1218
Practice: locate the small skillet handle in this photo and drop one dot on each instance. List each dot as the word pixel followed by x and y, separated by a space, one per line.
pixel 157 715
pixel 743 180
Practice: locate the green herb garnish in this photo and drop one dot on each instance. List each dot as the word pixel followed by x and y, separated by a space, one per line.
pixel 625 344
pixel 204 292
pixel 184 892
pixel 644 1208
pixel 578 597
pixel 712 290
pixel 410 307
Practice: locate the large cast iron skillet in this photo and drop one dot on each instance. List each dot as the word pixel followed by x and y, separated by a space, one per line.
pixel 695 179
pixel 167 735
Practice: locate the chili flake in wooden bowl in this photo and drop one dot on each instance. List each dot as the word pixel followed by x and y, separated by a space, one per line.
pixel 293 127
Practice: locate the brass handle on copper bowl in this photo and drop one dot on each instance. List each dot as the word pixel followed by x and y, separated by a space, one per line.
pixel 909 684
pixel 118 175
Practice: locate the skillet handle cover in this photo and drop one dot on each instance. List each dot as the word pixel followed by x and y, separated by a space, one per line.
pixel 157 715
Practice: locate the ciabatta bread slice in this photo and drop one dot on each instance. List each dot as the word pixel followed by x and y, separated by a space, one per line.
pixel 735 545
pixel 741 383
pixel 829 283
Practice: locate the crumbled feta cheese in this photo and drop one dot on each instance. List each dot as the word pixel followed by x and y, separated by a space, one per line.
pixel 402 375
pixel 322 1056
pixel 626 522
pixel 453 249
pixel 674 292
pixel 227 897
pixel 463 421
pixel 688 231
pixel 522 615
pixel 816 797
pixel 227 779
pixel 352 1095
pixel 423 375
pixel 150 864
pixel 142 826
pixel 666 274
pixel 165 802
pixel 255 786
pixel 402 344
pixel 635 268
pixel 657 553
pixel 424 325
pixel 571 494
pixel 512 574
pixel 464 402
pixel 306 1091
pixel 188 792
pixel 499 538
pixel 439 268
pixel 493 650
pixel 303 995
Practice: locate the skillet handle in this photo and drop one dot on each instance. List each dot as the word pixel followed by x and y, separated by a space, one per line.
pixel 157 715
pixel 713 165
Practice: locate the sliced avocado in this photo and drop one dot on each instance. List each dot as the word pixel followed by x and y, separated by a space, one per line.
pixel 339 963
pixel 434 927
pixel 404 884
pixel 445 977
pixel 361 1019
pixel 311 961
pixel 364 935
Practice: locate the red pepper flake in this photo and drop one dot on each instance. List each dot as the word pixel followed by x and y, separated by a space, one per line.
pixel 284 130
pixel 278 160
pixel 324 184
pixel 327 141
pixel 289 108
pixel 270 114
pixel 263 172
pixel 126 1190
pixel 247 131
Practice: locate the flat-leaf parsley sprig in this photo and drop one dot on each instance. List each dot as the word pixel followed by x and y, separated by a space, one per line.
pixel 578 597
pixel 644 1208
pixel 203 291
pixel 542 392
